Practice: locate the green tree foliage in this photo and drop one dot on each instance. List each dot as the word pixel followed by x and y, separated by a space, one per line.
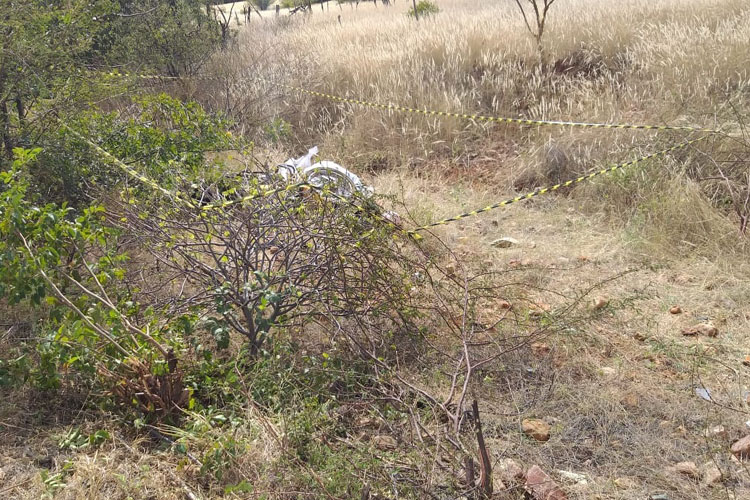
pixel 175 37
pixel 169 139
pixel 45 46
pixel 423 8
pixel 51 50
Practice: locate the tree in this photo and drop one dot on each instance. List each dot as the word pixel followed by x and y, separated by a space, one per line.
pixel 540 9
pixel 45 46
pixel 175 37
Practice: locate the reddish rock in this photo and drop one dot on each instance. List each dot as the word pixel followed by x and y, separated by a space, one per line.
pixel 541 486
pixel 675 310
pixel 600 303
pixel 535 428
pixel 741 448
pixel 508 471
pixel 688 469
pixel 711 474
pixel 706 329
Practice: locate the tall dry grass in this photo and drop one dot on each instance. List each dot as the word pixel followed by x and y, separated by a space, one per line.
pixel 675 62
pixel 669 61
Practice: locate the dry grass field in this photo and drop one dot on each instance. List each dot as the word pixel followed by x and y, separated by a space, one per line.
pixel 631 261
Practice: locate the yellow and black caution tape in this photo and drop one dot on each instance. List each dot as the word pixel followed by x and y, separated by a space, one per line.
pixel 498 119
pixel 448 114
pixel 177 195
pixel 550 189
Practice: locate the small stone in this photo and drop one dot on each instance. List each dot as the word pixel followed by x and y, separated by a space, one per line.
pixel 504 304
pixel 741 448
pixel 639 336
pixel 541 486
pixel 746 361
pixel 608 371
pixel 540 349
pixel 688 469
pixel 507 471
pixel 717 432
pixel 675 310
pixel 504 242
pixel 583 258
pixel 385 442
pixel 535 428
pixel 600 303
pixel 573 476
pixel 450 269
pixel 711 474
pixel 366 422
pixel 701 329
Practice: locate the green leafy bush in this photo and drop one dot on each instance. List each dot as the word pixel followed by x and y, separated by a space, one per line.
pixel 424 8
pixel 166 138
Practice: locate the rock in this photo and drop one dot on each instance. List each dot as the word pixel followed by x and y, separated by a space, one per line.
pixel 574 477
pixel 509 471
pixel 625 483
pixel 450 269
pixel 746 361
pixel 711 474
pixel 741 448
pixel 706 329
pixel 583 258
pixel 675 310
pixel 504 304
pixel 688 469
pixel 640 337
pixel 504 242
pixel 366 422
pixel 608 371
pixel 540 349
pixel 600 303
pixel 717 432
pixel 541 486
pixel 385 442
pixel 535 428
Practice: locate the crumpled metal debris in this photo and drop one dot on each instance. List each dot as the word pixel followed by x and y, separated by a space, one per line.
pixel 341 181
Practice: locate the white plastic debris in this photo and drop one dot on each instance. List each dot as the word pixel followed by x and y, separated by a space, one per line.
pixel 341 181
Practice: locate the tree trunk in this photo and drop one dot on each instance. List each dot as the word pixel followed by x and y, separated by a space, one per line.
pixel 5 130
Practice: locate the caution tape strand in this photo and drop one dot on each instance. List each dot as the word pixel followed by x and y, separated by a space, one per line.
pixel 414 232
pixel 449 114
